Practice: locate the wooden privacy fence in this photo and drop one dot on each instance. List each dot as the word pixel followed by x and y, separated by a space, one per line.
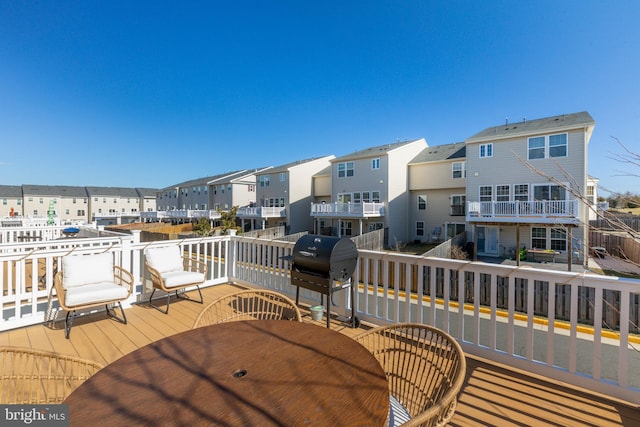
pixel 619 245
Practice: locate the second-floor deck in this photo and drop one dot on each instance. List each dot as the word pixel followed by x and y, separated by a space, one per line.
pixel 179 214
pixel 535 211
pixel 492 394
pixel 576 328
pixel 347 210
pixel 260 212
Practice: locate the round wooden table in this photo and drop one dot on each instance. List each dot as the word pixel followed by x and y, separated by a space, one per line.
pixel 249 373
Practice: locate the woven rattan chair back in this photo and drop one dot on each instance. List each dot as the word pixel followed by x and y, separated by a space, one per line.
pixel 39 377
pixel 252 304
pixel 425 367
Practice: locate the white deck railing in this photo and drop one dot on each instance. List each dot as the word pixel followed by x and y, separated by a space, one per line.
pixel 357 210
pixel 566 210
pixel 397 288
pixel 261 212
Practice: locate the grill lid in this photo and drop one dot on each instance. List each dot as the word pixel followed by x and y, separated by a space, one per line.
pixel 326 256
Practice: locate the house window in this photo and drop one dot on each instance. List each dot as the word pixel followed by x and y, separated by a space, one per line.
pixel 549 192
pixel 41 200
pixel 591 194
pixel 420 228
pixel 345 169
pixel 422 202
pixel 458 170
pixel 265 180
pixel 502 193
pixel 357 197
pixel 376 196
pixel 4 201
pixel 252 188
pixel 346 228
pixel 283 177
pixel 542 147
pixel 536 148
pixel 80 212
pixel 539 238
pixel 558 239
pixel 457 204
pixel 558 145
pixel 486 150
pixel 521 192
pixel 66 211
pixel 485 193
pixel 366 197
pixel 375 164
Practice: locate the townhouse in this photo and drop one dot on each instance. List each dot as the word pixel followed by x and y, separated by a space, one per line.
pixel 66 204
pixel 284 196
pixel 11 197
pixel 368 191
pixel 235 189
pixel 526 185
pixel 437 188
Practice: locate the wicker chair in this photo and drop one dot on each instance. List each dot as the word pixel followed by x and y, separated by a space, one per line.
pixel 40 377
pixel 170 271
pixel 425 367
pixel 252 304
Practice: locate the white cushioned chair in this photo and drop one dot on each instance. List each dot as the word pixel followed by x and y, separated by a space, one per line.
pixel 87 281
pixel 170 271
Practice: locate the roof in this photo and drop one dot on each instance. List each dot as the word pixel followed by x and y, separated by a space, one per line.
pixel 287 166
pixel 441 152
pixel 379 150
pixel 54 190
pixel 236 176
pixel 508 130
pixel 147 192
pixel 11 191
pixel 112 191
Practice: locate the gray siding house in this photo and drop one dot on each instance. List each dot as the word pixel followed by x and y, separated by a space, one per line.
pixel 525 187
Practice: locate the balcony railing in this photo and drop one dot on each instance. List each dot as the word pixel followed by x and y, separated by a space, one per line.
pixel 179 214
pixel 574 328
pixel 344 210
pixel 261 212
pixel 563 211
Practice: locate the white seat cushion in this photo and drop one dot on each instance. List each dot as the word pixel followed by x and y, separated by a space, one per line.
pixel 173 279
pixel 80 270
pixel 165 259
pixel 95 293
pixel 398 414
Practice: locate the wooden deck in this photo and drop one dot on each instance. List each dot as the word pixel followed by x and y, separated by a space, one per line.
pixel 491 396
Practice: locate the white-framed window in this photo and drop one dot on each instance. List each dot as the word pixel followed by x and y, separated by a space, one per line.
pixel 345 169
pixel 521 192
pixel 375 163
pixel 486 150
pixel 591 194
pixel 502 193
pixel 283 176
pixel 458 202
pixel 265 180
pixel 357 197
pixel 486 193
pixel 458 170
pixel 420 228
pixel 375 195
pixel 545 147
pixel 346 228
pixel 539 238
pixel 549 192
pixel 555 238
pixel 366 197
pixel 422 202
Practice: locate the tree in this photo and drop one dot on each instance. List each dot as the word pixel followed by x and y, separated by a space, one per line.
pixel 202 227
pixel 228 219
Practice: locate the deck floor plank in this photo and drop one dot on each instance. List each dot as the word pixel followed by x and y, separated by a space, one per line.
pixel 492 394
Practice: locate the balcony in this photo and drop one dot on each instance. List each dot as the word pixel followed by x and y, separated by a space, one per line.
pixel 347 210
pixel 537 211
pixel 179 214
pixel 261 212
pixel 509 321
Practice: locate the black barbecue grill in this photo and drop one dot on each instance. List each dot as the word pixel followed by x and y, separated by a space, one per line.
pixel 324 264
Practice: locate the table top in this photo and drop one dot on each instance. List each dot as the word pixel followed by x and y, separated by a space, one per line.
pixel 271 372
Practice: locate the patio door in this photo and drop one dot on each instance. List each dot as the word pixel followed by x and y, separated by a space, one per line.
pixel 487 238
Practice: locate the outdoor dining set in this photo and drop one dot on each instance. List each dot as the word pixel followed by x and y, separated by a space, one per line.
pixel 251 358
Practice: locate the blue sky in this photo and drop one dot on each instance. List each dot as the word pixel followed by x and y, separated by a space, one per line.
pixel 150 94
